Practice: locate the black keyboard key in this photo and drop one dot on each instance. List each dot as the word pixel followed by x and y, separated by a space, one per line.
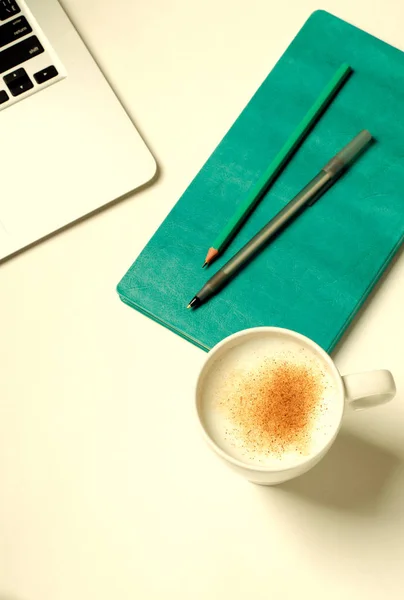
pixel 8 8
pixel 18 82
pixel 19 53
pixel 22 85
pixel 3 97
pixel 13 30
pixel 14 75
pixel 45 74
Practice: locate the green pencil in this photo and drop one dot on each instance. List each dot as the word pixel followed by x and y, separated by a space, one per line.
pixel 279 162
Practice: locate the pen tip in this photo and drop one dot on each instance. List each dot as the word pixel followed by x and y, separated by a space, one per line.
pixel 195 302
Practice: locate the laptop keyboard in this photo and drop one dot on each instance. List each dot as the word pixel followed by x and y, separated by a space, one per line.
pixel 22 44
pixel 8 8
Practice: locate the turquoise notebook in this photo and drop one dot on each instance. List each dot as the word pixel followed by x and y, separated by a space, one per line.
pixel 315 276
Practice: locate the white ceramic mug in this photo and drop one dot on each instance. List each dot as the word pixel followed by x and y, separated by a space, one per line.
pixel 357 391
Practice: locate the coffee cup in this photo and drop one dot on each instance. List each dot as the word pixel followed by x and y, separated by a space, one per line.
pixel 270 402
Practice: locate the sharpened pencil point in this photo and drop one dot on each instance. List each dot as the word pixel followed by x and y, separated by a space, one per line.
pixel 204 264
pixel 211 255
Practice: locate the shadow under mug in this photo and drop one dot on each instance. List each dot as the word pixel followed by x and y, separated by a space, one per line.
pixel 356 391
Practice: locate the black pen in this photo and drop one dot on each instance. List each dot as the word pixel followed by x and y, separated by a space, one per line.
pixel 309 194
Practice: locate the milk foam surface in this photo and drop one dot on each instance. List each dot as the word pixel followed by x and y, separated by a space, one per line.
pixel 225 376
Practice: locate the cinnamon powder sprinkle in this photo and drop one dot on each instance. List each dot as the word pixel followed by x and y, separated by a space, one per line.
pixel 274 408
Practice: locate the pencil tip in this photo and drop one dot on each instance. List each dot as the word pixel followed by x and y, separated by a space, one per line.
pixel 204 264
pixel 211 255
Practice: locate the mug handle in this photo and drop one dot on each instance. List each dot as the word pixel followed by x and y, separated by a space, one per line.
pixel 372 388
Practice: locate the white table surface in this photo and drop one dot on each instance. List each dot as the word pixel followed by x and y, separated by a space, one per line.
pixel 106 488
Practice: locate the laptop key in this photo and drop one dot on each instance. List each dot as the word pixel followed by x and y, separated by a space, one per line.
pixel 19 53
pixel 14 75
pixel 8 8
pixel 3 97
pixel 17 28
pixel 45 74
pixel 18 82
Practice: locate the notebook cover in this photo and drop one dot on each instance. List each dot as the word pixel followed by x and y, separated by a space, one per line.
pixel 315 276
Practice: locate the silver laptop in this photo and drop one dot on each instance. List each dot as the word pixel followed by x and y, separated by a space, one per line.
pixel 69 147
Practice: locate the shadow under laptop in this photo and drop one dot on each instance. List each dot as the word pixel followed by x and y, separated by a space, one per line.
pixel 353 476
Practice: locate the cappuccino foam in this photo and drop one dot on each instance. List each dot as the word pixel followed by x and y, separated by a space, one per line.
pixel 270 401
